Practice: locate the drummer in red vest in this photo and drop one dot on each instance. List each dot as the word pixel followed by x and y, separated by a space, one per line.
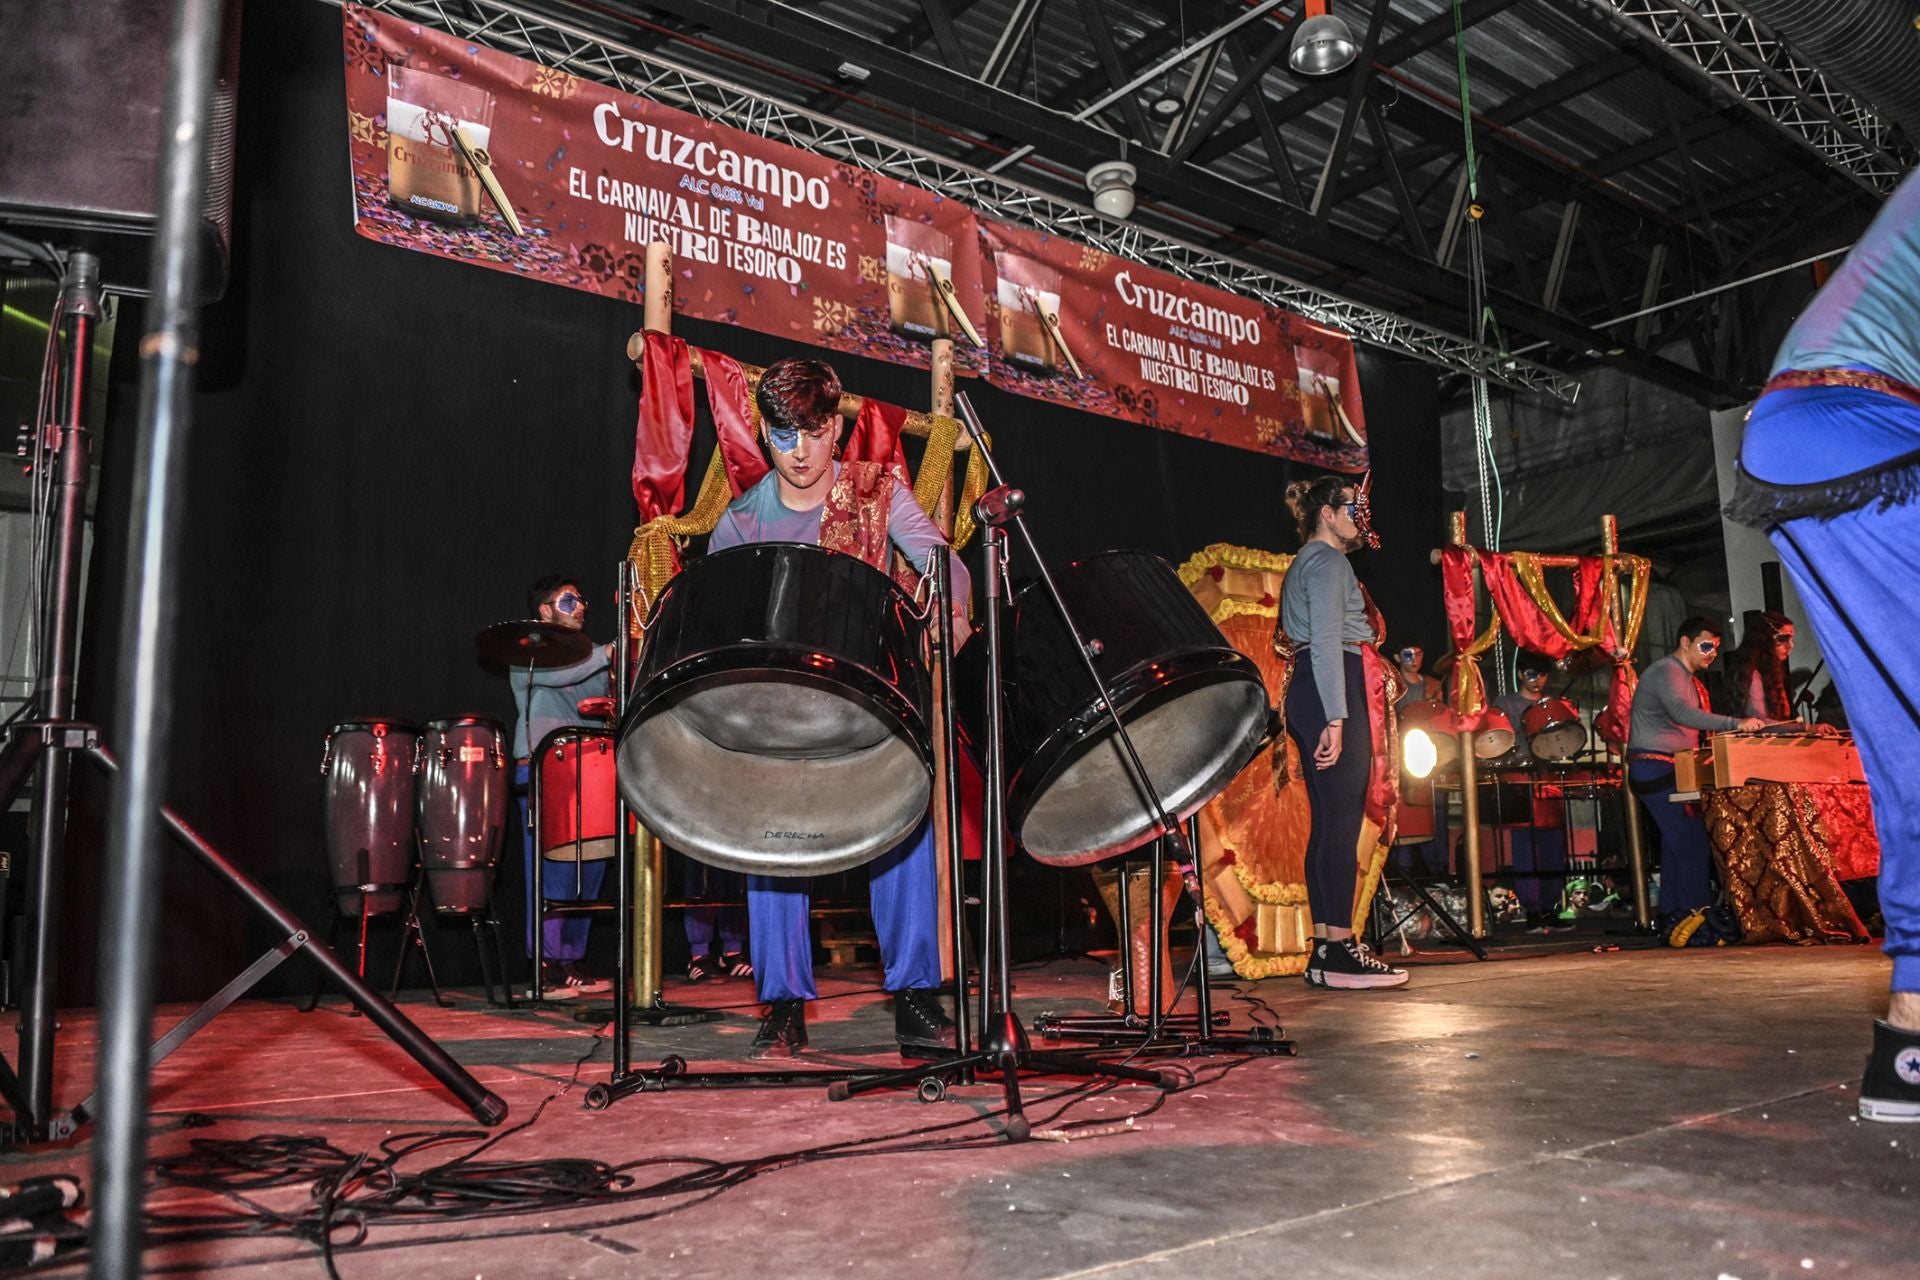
pixel 811 496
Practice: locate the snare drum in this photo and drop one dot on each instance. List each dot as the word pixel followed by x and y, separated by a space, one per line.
pixel 1553 729
pixel 368 767
pixel 579 806
pixel 1494 737
pixel 461 808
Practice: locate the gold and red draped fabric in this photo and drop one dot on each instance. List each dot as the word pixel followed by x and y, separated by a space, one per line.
pixel 1522 604
pixel 663 437
pixel 1253 835
pixel 1785 848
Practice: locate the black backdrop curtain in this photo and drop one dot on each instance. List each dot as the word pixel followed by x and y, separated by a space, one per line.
pixel 388 447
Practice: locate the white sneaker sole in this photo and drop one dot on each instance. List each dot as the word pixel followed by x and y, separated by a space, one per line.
pixel 1363 981
pixel 1889 1112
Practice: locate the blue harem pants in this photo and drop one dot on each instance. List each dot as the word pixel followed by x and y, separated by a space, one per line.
pixel 905 897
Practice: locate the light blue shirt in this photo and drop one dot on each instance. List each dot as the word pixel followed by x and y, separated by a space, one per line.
pixel 1868 314
pixel 758 515
pixel 556 693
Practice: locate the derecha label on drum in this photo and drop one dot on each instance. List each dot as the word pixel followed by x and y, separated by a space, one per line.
pixel 865 510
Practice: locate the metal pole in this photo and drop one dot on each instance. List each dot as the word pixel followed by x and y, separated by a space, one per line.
pixel 1470 814
pixel 81 303
pixel 949 802
pixel 622 843
pixel 144 705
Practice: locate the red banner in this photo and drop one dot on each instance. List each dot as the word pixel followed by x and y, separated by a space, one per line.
pixel 763 234
pixel 1105 334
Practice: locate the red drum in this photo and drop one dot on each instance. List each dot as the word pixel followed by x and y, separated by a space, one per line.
pixel 1494 737
pixel 461 808
pixel 577 786
pixel 1554 730
pixel 368 767
pixel 1414 818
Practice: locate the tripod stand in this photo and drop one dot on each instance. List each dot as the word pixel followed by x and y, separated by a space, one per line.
pixel 45 747
pixel 1003 1047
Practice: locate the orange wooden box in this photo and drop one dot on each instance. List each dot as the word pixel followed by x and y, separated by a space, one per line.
pixel 1739 758
pixel 1693 770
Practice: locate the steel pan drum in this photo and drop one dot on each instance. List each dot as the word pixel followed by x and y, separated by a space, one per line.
pixel 1553 729
pixel 1194 706
pixel 781 721
pixel 579 811
pixel 368 768
pixel 461 808
pixel 1494 737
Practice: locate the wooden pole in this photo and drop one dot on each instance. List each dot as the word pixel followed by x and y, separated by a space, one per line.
pixel 1636 833
pixel 941 403
pixel 657 307
pixel 1469 780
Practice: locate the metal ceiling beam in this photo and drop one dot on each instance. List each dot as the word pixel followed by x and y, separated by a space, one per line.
pixel 1247 71
pixel 1305 97
pixel 803 40
pixel 1361 76
pixel 1724 45
pixel 945 38
pixel 1006 49
pixel 554 41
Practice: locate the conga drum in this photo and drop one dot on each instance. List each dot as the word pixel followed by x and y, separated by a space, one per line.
pixel 367 765
pixel 1553 729
pixel 780 720
pixel 1194 706
pixel 579 806
pixel 461 808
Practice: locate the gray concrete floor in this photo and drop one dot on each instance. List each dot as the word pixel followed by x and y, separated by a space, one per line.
pixel 1632 1113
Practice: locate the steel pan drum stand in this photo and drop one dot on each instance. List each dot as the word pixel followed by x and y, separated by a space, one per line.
pixel 672 1073
pixel 1002 1048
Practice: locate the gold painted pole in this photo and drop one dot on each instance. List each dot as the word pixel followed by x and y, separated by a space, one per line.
pixel 941 402
pixel 1636 833
pixel 649 857
pixel 1470 814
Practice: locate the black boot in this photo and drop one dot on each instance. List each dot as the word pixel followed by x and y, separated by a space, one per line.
pixel 919 1022
pixel 783 1032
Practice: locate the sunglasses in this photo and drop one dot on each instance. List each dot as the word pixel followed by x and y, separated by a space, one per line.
pixel 1708 647
pixel 569 603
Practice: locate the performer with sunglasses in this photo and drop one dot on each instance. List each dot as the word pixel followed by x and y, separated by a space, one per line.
pixel 1669 715
pixel 545 700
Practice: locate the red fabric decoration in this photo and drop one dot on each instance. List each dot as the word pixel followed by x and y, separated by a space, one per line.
pixel 733 422
pixel 876 438
pixel 1456 589
pixel 1523 619
pixel 664 432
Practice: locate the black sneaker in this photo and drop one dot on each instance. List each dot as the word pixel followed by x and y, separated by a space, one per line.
pixel 1890 1091
pixel 1348 965
pixel 1316 964
pixel 783 1032
pixel 919 1022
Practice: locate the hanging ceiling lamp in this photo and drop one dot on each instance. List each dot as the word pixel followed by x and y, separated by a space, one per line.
pixel 1322 43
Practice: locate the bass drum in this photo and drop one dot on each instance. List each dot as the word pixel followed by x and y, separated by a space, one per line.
pixel 368 767
pixel 1194 706
pixel 461 808
pixel 780 725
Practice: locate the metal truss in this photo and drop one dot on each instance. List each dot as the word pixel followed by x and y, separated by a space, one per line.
pixel 511 28
pixel 1730 48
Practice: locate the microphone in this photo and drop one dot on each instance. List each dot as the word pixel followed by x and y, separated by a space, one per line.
pixel 997 506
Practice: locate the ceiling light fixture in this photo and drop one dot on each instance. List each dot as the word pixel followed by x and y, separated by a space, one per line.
pixel 1322 43
pixel 1167 105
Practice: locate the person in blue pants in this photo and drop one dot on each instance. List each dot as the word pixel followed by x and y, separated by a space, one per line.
pixel 800 421
pixel 1830 468
pixel 545 700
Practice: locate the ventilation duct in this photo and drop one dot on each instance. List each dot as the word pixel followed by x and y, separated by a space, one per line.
pixel 1870 46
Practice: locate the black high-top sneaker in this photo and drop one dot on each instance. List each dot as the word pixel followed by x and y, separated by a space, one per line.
pixel 783 1032
pixel 1317 964
pixel 1890 1091
pixel 920 1023
pixel 1351 966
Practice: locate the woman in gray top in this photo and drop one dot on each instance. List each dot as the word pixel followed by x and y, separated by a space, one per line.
pixel 1324 620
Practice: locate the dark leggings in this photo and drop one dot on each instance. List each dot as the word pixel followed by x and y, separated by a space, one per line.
pixel 1338 795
